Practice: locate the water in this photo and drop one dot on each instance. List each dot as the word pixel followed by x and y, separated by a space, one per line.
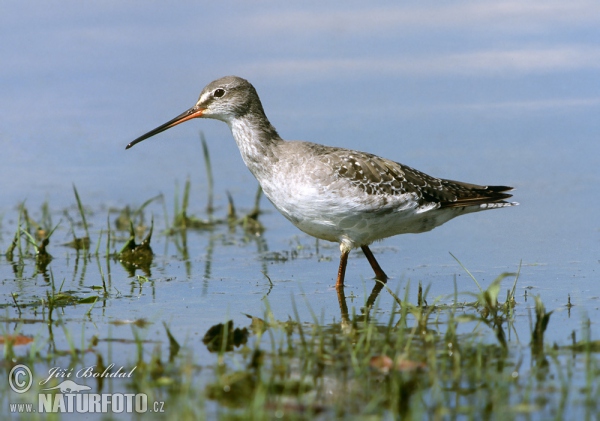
pixel 487 93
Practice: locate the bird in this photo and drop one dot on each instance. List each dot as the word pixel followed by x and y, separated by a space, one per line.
pixel 340 195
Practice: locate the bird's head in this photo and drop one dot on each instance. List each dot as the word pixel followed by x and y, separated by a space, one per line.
pixel 224 99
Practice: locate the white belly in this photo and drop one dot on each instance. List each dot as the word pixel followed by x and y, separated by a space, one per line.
pixel 340 212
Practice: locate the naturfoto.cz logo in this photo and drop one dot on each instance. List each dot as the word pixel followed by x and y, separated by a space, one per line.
pixel 71 397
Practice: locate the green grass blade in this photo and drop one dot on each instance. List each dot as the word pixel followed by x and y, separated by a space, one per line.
pixel 81 211
pixel 469 273
pixel 209 174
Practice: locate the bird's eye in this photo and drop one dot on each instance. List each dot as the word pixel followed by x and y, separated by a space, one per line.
pixel 218 93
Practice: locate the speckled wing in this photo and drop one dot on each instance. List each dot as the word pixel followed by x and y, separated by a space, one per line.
pixel 377 176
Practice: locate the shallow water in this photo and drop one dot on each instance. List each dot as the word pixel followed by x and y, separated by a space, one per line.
pixel 508 96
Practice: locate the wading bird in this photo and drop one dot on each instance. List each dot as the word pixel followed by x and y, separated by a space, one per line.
pixel 335 194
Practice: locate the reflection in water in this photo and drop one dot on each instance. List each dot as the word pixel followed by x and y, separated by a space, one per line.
pixel 137 256
pixel 223 337
pixel 250 224
pixel 370 301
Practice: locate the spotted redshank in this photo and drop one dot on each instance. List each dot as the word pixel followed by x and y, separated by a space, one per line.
pixel 335 194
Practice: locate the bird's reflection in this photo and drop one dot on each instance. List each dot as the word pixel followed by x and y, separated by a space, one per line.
pixel 369 304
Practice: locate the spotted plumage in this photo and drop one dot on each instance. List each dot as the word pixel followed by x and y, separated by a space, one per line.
pixel 379 176
pixel 336 194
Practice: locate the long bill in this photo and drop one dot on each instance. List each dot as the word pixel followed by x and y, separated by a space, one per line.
pixel 193 112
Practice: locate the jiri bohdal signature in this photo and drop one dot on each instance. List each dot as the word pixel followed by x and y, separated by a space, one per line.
pixel 87 372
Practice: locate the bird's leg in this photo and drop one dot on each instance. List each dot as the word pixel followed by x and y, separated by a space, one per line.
pixel 379 273
pixel 342 270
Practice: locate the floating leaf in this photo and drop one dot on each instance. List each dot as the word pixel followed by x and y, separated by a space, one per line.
pixel 16 340
pixel 89 300
pixel 382 363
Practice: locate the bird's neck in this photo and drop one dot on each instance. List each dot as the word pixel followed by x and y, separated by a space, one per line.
pixel 257 140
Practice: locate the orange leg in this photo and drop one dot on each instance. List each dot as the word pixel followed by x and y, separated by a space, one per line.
pixel 342 270
pixel 379 273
